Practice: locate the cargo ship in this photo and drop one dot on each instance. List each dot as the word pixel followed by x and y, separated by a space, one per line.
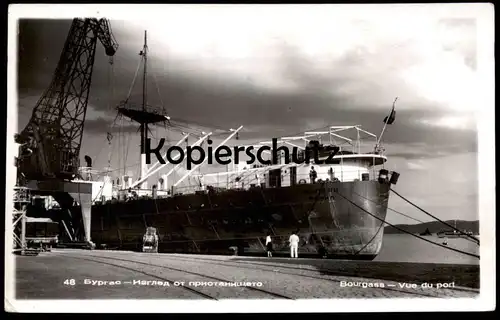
pixel 339 215
pixel 337 208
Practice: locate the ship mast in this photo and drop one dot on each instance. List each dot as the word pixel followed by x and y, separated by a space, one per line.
pixel 144 115
pixel 144 125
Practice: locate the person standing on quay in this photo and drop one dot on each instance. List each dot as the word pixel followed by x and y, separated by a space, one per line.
pixel 269 245
pixel 294 245
pixel 313 175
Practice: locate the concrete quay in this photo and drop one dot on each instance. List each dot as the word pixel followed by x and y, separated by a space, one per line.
pixel 82 274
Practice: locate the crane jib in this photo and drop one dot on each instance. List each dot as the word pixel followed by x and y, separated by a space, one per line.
pixel 53 136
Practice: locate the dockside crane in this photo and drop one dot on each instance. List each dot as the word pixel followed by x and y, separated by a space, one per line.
pixel 50 143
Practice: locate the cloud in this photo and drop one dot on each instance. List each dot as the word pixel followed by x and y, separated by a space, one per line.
pixel 464 122
pixel 365 63
pixel 101 125
pixel 431 149
pixel 415 165
pixel 445 186
pixel 278 73
pixel 459 35
pixel 322 56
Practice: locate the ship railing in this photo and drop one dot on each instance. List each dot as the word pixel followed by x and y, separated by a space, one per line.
pixel 245 182
pixel 348 138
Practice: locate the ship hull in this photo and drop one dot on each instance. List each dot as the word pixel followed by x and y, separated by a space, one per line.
pixel 328 225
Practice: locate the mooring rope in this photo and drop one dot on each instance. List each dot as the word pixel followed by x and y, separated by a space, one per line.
pixel 443 222
pixel 395 211
pixel 404 231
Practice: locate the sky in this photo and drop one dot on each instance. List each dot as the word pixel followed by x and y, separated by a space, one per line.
pixel 281 72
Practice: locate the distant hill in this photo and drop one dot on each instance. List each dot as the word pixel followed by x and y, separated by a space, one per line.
pixel 434 227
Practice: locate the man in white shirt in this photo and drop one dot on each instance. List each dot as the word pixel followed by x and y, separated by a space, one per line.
pixel 294 245
pixel 269 245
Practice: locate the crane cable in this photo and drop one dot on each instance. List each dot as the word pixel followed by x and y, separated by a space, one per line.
pixel 113 124
pixel 109 136
pixel 443 222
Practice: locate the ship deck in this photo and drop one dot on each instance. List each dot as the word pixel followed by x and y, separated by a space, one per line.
pixel 82 274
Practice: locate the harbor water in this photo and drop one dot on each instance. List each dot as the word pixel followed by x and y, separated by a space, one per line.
pixel 407 248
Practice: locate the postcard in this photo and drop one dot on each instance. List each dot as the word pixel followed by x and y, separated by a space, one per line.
pixel 250 158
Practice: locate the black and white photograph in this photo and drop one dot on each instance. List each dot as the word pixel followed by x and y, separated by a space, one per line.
pixel 250 158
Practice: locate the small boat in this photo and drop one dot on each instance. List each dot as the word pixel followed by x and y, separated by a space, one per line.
pixel 454 233
pixel 449 234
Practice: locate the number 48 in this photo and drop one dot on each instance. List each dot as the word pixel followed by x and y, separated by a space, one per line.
pixel 70 282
